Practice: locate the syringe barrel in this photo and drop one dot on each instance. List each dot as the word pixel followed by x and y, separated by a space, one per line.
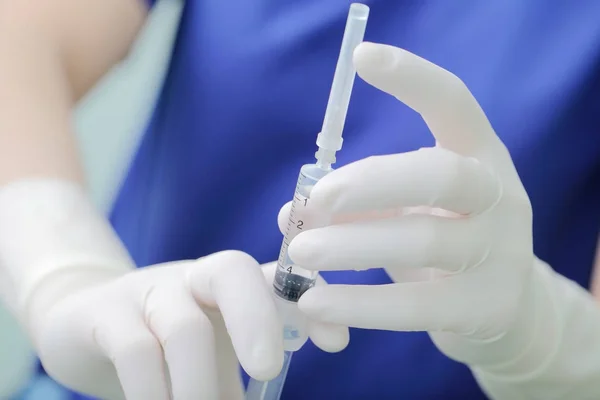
pixel 291 280
pixel 330 137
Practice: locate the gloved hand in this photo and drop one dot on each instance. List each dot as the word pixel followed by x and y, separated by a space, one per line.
pixel 452 226
pixel 198 317
pixel 104 329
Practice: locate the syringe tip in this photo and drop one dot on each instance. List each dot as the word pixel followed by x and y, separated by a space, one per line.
pixel 359 11
pixel 330 137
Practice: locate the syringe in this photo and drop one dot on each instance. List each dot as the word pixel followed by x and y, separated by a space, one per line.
pixel 291 280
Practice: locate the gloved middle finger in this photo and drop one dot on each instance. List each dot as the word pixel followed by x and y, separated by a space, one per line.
pixel 411 241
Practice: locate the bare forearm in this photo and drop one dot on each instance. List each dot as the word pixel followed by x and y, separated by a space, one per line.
pixel 35 131
pixel 51 53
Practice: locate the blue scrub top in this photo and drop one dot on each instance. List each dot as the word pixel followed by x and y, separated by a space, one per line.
pixel 244 100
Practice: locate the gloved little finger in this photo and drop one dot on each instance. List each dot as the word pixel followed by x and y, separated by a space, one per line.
pixel 186 335
pixel 438 306
pixel 233 282
pixel 331 338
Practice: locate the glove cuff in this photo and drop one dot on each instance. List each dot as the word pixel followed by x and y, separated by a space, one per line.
pixel 52 242
pixel 560 361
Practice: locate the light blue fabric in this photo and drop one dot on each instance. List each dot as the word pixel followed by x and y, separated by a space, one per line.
pixel 44 388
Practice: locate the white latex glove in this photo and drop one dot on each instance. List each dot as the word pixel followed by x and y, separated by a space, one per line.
pixel 106 330
pixel 452 226
pixel 198 317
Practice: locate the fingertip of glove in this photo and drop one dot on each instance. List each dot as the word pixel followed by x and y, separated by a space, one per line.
pixel 328 337
pixel 264 363
pixel 305 250
pixel 311 303
pixel 370 56
pixel 326 195
pixel 283 216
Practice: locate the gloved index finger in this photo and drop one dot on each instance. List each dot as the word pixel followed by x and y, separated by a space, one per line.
pixel 234 282
pixel 449 109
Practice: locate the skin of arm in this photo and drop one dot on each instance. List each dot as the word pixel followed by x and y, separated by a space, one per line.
pixel 51 54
